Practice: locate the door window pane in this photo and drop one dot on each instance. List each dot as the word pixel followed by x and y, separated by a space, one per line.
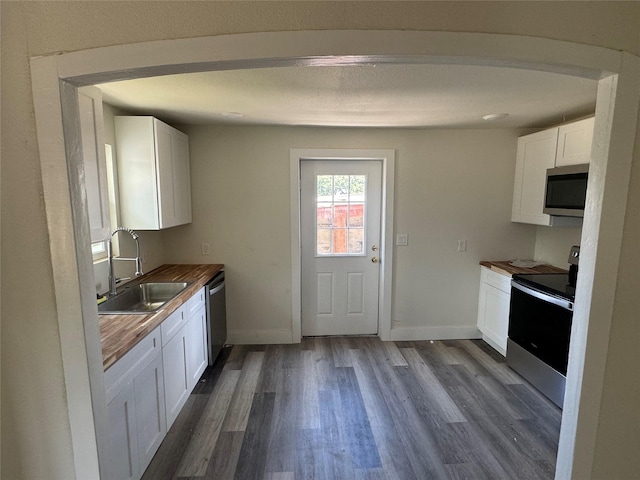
pixel 325 215
pixel 340 210
pixel 356 240
pixel 324 241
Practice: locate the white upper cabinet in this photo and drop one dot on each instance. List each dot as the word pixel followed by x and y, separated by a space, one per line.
pixel 574 143
pixel 536 153
pixel 153 173
pixel 568 144
pixel 95 165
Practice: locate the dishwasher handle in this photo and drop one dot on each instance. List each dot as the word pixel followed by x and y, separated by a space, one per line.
pixel 216 284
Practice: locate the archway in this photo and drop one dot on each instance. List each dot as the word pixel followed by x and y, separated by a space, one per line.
pixel 55 79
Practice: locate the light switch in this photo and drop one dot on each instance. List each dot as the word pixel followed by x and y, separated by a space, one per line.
pixel 462 245
pixel 204 248
pixel 402 239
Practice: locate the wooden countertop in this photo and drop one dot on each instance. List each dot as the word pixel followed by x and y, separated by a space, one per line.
pixel 505 268
pixel 120 333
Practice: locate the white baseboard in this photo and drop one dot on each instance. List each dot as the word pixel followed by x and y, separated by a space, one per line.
pixel 259 337
pixel 266 337
pixel 434 333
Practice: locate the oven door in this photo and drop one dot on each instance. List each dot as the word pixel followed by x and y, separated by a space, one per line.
pixel 541 325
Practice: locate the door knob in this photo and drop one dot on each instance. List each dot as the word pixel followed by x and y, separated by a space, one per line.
pixel 374 259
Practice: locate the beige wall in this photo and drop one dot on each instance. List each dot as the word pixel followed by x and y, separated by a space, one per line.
pixel 553 244
pixel 450 185
pixel 35 426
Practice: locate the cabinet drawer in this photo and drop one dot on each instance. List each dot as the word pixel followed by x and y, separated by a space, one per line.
pixel 195 302
pixel 497 280
pixel 173 324
pixel 134 360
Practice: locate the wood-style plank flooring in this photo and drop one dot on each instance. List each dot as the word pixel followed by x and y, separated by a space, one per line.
pixel 359 408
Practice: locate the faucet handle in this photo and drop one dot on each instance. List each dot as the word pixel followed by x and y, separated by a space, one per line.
pixel 139 266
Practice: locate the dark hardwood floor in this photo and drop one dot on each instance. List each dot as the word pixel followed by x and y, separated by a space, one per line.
pixel 358 408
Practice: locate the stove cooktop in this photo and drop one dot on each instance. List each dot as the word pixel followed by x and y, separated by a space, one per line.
pixel 552 283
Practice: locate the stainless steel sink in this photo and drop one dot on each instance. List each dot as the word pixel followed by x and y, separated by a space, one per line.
pixel 143 298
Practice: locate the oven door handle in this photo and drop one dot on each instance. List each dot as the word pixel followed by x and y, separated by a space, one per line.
pixel 567 305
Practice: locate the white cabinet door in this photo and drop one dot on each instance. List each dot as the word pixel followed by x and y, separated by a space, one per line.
pixel 134 388
pixel 174 183
pixel 496 315
pixel 95 165
pixel 493 309
pixel 150 410
pixel 197 336
pixel 164 165
pixel 182 174
pixel 176 376
pixel 153 173
pixel 574 143
pixel 536 153
pixel 122 462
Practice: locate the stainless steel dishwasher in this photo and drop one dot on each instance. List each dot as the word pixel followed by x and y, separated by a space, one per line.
pixel 216 316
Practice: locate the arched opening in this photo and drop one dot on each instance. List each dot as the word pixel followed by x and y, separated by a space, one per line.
pixel 56 78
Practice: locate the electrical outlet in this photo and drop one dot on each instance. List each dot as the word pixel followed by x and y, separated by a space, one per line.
pixel 402 239
pixel 204 249
pixel 462 245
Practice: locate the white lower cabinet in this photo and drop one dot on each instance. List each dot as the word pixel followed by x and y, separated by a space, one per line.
pixel 176 377
pixel 149 385
pixel 197 337
pixel 151 423
pixel 184 351
pixel 493 308
pixel 135 408
pixel 122 463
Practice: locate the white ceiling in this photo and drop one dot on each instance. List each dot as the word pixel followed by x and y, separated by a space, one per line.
pixel 434 96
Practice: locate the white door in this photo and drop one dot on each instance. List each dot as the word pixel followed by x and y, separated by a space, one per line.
pixel 340 206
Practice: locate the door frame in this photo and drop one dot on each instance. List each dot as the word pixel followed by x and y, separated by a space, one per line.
pixel 387 158
pixel 56 77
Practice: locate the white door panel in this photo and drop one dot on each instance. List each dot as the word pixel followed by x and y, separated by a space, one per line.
pixel 340 204
pixel 355 293
pixel 325 286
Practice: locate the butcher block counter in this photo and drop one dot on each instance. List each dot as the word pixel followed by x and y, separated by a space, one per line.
pixel 505 268
pixel 120 333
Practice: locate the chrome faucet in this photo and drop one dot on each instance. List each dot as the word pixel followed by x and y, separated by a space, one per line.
pixel 112 277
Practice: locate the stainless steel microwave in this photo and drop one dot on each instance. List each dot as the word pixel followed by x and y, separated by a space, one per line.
pixel 566 190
